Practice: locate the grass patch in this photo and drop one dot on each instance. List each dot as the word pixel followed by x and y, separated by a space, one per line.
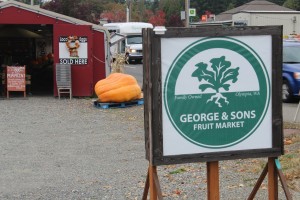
pixel 290 162
pixel 178 171
pixel 291 125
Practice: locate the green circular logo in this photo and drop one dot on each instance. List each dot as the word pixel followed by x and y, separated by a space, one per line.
pixel 216 92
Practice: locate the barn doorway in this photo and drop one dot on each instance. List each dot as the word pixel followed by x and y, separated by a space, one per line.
pixel 30 45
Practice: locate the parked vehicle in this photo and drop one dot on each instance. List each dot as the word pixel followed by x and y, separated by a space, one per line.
pixel 132 45
pixel 291 70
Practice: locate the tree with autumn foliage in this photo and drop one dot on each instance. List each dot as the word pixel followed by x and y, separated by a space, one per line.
pixel 91 10
pixel 114 12
pixel 158 19
pixel 175 21
pixel 172 9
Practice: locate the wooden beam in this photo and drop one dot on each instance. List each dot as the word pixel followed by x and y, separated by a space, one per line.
pixel 213 189
pixel 272 179
pixel 283 180
pixel 153 191
pixel 258 183
pixel 146 188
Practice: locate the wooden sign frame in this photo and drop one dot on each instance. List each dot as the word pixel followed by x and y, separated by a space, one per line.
pixel 16 79
pixel 153 96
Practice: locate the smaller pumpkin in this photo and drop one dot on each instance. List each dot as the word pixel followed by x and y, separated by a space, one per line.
pixel 118 87
pixel 50 56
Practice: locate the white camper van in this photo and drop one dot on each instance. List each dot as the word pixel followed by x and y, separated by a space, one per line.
pixel 131 46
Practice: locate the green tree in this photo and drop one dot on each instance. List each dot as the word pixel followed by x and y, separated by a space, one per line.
pixel 278 2
pixel 35 2
pixel 217 78
pixel 292 4
pixel 155 5
pixel 88 10
pixel 172 9
pixel 230 6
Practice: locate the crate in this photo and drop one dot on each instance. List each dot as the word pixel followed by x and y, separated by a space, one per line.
pixel 137 102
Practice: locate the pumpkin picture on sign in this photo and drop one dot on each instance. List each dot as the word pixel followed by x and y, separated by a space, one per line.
pixel 73 45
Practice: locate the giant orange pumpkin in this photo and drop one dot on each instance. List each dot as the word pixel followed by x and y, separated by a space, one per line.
pixel 118 87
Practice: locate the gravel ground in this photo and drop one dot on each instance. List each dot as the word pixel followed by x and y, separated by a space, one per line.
pixel 68 149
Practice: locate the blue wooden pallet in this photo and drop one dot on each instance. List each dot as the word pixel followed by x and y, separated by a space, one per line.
pixel 137 102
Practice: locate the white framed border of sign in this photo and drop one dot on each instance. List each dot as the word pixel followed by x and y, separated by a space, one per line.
pixel 73 50
pixel 213 93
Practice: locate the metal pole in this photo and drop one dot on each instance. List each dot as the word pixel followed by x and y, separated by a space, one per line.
pixel 128 10
pixel 127 14
pixel 187 17
pixel 142 3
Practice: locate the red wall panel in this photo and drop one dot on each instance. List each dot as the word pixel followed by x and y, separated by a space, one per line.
pixel 13 15
pixel 99 56
pixel 84 76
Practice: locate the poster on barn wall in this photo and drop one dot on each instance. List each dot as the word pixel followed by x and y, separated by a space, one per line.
pixel 216 94
pixel 73 50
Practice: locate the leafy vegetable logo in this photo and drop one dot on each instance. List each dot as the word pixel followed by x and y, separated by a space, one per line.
pixel 217 78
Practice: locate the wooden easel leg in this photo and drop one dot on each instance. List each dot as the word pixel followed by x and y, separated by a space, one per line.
pixel 153 192
pixel 213 189
pixel 152 182
pixel 283 181
pixel 157 185
pixel 274 172
pixel 146 188
pixel 258 183
pixel 272 179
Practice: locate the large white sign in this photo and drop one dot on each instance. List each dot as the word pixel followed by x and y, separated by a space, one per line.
pixel 216 94
pixel 73 50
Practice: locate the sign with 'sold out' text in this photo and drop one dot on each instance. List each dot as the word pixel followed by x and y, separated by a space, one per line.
pixel 217 95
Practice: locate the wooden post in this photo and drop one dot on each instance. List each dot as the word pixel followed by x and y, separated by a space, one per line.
pixel 152 182
pixel 258 183
pixel 213 191
pixel 283 180
pixel 272 179
pixel 274 172
pixel 153 191
pixel 15 79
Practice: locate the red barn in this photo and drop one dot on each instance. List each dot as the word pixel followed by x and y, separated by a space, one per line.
pixel 40 39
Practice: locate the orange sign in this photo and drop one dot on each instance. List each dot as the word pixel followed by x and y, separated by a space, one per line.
pixel 204 18
pixel 16 78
